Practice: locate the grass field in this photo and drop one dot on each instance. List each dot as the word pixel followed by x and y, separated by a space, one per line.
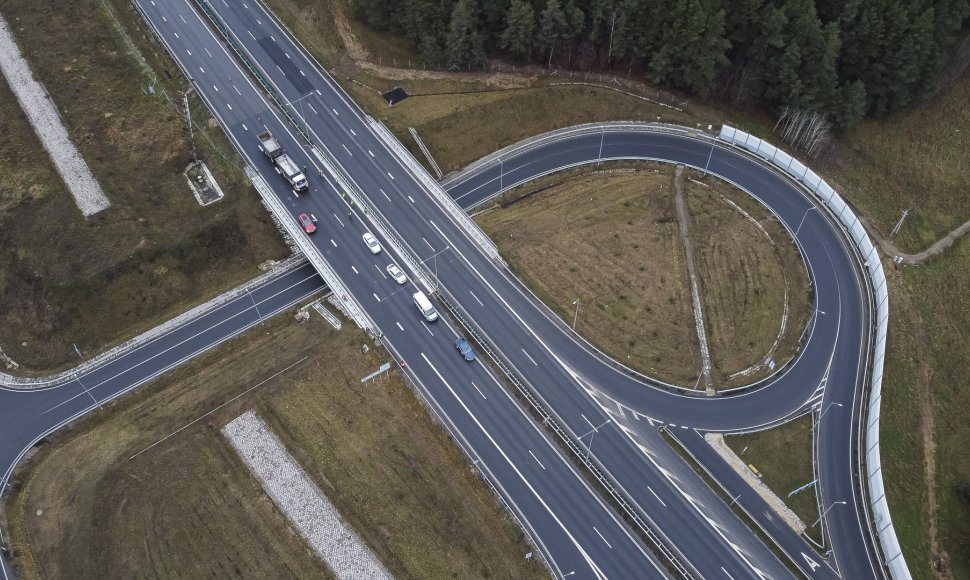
pixel 189 507
pixel 154 253
pixel 611 240
pixel 793 441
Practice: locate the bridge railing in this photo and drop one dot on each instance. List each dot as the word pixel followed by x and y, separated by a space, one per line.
pixel 891 552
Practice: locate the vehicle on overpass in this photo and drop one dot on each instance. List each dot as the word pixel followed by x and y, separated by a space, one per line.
pixel 282 162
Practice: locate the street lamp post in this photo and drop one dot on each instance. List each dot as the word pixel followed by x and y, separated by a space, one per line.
pixel 592 433
pixel 826 410
pixel 709 155
pixel 435 257
pixel 803 221
pixel 576 315
pixel 306 127
pixel 827 511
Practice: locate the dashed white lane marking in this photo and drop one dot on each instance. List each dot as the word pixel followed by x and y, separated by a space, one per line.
pixel 476 297
pixel 347 150
pixel 429 244
pixel 543 467
pixel 376 297
pixel 312 109
pixel 428 329
pixel 183 19
pixel 251 34
pixel 379 271
pixel 245 128
pixel 338 220
pixel 371 152
pixel 216 88
pixel 281 70
pixel 207 52
pixel 385 195
pixel 273 38
pixel 530 358
pixel 593 427
pixel 286 54
pixel 601 537
pixel 189 52
pixel 320 94
pixel 684 427
pixel 479 391
pixel 411 198
pixel 399 326
pixel 389 175
pixel 355 270
pixel 352 132
pixel 726 573
pixel 230 106
pixel 335 111
pixel 334 243
pixel 237 90
pixel 656 496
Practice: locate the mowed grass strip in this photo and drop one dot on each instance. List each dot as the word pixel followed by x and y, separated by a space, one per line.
pixel 189 507
pixel 793 442
pixel 155 252
pixel 612 241
pixel 750 277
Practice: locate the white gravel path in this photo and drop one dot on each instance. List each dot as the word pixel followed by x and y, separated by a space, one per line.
pixel 46 121
pixel 302 501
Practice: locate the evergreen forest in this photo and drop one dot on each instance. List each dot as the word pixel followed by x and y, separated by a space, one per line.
pixel 844 58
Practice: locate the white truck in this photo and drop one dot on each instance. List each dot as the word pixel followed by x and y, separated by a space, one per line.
pixel 284 165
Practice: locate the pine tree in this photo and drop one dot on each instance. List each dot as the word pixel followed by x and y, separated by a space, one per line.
pixel 692 47
pixel 553 27
pixel 466 42
pixel 519 28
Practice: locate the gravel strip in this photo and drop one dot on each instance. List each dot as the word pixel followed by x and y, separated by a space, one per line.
pixel 46 121
pixel 301 500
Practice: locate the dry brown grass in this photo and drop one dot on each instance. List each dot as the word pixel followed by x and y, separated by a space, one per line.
pixel 746 274
pixel 611 240
pixel 189 507
pixel 153 254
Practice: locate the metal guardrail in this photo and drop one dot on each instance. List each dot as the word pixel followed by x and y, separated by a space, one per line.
pixel 438 193
pixel 891 553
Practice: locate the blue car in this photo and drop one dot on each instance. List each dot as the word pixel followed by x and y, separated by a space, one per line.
pixel 466 351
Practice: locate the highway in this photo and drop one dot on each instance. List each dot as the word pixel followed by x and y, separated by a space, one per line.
pixel 572 527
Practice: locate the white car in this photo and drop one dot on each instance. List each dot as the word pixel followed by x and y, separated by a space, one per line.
pixel 372 244
pixel 396 274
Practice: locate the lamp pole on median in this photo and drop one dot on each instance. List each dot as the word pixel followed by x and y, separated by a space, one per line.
pixel 592 433
pixel 576 315
pixel 302 116
pixel 435 257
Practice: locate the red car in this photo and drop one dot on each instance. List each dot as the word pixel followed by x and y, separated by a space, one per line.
pixel 307 223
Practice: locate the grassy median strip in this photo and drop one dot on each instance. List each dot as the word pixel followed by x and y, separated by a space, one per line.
pixel 155 252
pixel 189 507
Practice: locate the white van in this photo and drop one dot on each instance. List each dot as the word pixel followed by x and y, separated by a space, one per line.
pixel 425 307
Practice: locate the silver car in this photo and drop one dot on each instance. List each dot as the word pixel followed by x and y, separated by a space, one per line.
pixel 396 274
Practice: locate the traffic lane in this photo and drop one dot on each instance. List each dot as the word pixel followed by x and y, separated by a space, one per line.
pixel 512 447
pixel 203 58
pixel 815 251
pixel 578 413
pixel 802 554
